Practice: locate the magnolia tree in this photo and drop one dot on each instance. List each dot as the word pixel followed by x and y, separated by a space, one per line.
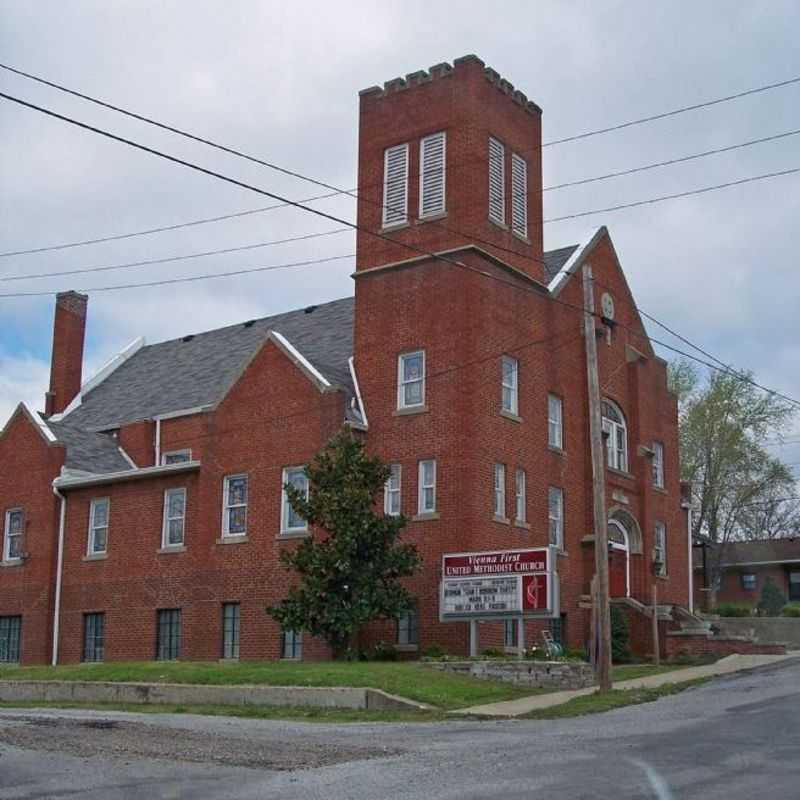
pixel 739 489
pixel 351 574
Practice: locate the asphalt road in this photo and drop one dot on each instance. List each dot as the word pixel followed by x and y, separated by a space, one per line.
pixel 737 737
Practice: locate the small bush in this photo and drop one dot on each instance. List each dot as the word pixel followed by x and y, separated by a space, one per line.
pixel 383 651
pixel 792 610
pixel 620 636
pixel 772 600
pixel 434 651
pixel 734 610
pixel 493 652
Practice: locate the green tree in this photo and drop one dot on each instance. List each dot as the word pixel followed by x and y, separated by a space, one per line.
pixel 350 575
pixel 723 421
pixel 620 636
pixel 772 599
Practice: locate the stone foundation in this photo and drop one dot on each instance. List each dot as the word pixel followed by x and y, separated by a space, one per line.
pixel 537 674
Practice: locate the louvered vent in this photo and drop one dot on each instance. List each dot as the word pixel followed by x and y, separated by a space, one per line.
pixel 395 185
pixel 432 175
pixel 497 182
pixel 519 195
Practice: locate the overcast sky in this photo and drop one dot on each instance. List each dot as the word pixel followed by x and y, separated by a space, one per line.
pixel 280 80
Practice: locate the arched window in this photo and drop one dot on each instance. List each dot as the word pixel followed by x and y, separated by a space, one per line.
pixel 616 436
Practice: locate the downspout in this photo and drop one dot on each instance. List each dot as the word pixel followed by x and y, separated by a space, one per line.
pixel 59 574
pixel 158 441
pixel 691 557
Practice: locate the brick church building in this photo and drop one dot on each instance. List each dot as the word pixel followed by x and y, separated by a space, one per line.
pixel 144 510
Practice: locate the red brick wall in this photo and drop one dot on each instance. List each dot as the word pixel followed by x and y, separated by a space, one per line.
pixel 718 646
pixel 29 464
pixel 732 591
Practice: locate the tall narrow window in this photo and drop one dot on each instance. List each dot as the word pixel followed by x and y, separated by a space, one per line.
pixel 616 435
pixel 658 465
pixel 292 644
pixel 391 492
pixel 168 634
pixel 555 422
pixel 555 511
pixel 14 529
pixel 510 387
pixel 98 525
pixel 230 630
pixel 497 182
pixel 234 509
pixel 291 521
pixel 519 195
pixel 411 380
pixel 10 635
pixel 510 633
pixel 519 485
pixel 407 628
pixel 94 637
pixel 427 487
pixel 660 548
pixel 500 490
pixel 432 175
pixel 174 526
pixel 395 185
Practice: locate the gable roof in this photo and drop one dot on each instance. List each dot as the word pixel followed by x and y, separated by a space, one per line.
pixel 88 451
pixel 761 551
pixel 197 370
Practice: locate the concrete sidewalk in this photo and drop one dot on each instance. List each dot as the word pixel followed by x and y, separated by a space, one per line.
pixel 725 666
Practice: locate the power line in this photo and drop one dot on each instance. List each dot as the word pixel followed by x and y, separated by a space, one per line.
pixel 354 226
pixel 673 113
pixel 150 262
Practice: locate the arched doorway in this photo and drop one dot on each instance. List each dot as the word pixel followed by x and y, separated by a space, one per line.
pixel 619 561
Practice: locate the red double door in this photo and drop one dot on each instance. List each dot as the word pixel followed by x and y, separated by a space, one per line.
pixel 617 572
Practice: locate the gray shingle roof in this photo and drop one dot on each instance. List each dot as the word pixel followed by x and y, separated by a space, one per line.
pixel 198 370
pixel 87 451
pixel 761 550
pixel 554 260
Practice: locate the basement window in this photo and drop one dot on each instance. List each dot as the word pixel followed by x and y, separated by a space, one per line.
pixel 292 645
pixel 94 634
pixel 230 630
pixel 407 628
pixel 168 634
pixel 10 635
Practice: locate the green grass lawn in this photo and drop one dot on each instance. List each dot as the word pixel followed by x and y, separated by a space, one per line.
pixel 407 679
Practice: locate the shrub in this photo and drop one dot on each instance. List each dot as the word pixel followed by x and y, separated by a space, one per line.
pixel 792 610
pixel 434 651
pixel 620 636
pixel 493 652
pixel 383 651
pixel 734 610
pixel 772 600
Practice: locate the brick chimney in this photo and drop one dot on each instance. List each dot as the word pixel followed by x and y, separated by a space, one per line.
pixel 66 365
pixel 478 139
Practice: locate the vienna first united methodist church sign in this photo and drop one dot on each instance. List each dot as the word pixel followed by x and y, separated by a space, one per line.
pixel 501 584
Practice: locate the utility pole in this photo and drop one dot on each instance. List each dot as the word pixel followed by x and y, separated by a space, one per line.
pixel 603 664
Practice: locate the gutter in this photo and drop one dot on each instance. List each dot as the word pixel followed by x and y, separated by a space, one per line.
pixel 59 573
pixel 81 481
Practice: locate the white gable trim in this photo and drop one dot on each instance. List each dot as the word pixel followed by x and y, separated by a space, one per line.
pixel 35 419
pixel 110 366
pixel 573 262
pixel 322 383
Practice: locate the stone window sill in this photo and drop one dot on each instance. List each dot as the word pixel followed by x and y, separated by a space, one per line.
pixel 510 415
pixel 293 535
pixel 406 648
pixel 175 548
pixel 425 517
pixel 12 562
pixel 521 524
pixel 95 557
pixel 233 539
pixel 621 474
pixel 520 237
pixel 432 218
pixel 660 490
pixel 410 410
pixel 501 225
pixel 398 226
pixel 501 520
pixel 559 451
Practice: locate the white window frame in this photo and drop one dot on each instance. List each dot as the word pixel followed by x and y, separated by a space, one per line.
pixel 388 218
pixel 519 195
pixel 499 473
pixel 616 455
pixel 7 535
pixel 91 551
pixel 422 176
pixel 286 506
pixel 226 507
pixel 555 518
pixel 165 542
pixel 499 176
pixel 658 465
pixel 660 546
pixel 422 486
pixel 392 490
pixel 166 456
pixel 555 423
pixel 520 495
pixel 402 383
pixel 511 387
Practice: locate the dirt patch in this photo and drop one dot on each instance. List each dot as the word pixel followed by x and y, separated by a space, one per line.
pixel 133 740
